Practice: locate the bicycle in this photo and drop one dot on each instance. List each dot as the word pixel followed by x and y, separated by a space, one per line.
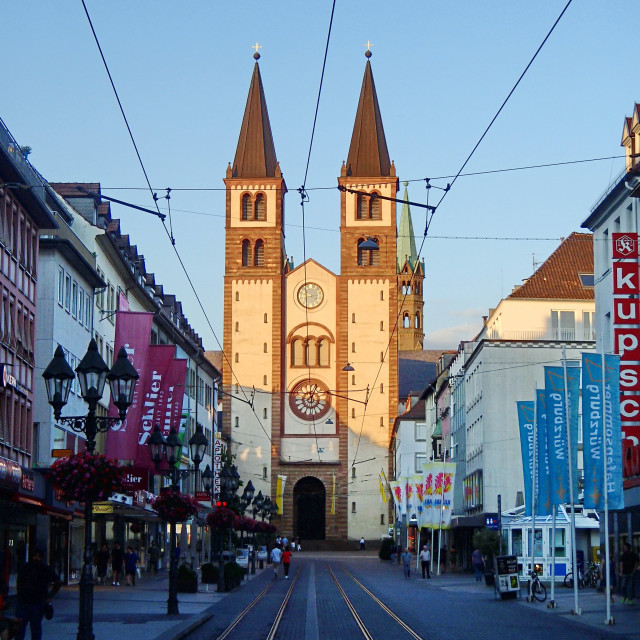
pixel 592 576
pixel 537 590
pixel 568 580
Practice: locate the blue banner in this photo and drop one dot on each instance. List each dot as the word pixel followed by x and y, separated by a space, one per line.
pixel 558 449
pixel 592 416
pixel 543 502
pixel 525 421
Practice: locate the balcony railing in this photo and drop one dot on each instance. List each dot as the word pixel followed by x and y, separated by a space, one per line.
pixel 562 335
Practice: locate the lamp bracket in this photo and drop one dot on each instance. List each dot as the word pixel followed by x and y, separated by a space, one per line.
pixel 79 423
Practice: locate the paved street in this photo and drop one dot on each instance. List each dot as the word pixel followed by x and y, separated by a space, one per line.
pixel 452 606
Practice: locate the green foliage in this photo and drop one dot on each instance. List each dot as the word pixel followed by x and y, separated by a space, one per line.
pixel 187 579
pixel 233 571
pixel 488 541
pixel 209 573
pixel 385 549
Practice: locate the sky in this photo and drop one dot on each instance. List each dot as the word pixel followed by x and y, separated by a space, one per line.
pixel 442 69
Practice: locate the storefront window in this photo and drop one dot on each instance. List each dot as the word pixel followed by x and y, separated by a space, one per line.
pixel 537 543
pixel 516 542
pixel 561 547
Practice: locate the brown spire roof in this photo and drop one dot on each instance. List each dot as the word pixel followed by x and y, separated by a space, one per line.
pixel 368 153
pixel 255 155
pixel 559 276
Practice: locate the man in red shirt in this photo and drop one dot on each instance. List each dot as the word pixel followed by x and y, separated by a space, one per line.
pixel 286 561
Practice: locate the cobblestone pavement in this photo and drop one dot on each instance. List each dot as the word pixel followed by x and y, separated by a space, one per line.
pixel 452 607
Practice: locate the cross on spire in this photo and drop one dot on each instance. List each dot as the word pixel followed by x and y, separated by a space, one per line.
pixel 256 46
pixel 369 45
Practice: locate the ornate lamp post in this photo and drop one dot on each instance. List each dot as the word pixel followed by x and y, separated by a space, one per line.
pixel 245 501
pixel 169 449
pixel 92 374
pixel 256 508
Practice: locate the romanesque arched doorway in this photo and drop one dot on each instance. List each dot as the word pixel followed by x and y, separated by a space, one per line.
pixel 309 498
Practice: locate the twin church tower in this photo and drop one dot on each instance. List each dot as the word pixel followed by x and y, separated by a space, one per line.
pixel 310 368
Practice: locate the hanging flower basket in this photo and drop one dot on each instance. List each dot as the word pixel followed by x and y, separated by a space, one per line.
pixel 222 518
pixel 173 506
pixel 86 477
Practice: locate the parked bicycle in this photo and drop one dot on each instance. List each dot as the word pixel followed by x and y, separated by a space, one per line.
pixel 592 576
pixel 568 580
pixel 537 589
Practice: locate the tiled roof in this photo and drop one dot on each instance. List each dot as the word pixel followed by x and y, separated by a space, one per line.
pixel 68 189
pixel 558 277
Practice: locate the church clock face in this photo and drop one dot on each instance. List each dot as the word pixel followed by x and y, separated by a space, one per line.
pixel 310 400
pixel 310 295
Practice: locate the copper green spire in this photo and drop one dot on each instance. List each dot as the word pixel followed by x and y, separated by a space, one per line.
pixel 406 245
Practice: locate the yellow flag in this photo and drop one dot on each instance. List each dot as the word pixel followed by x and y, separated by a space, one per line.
pixel 383 491
pixel 280 493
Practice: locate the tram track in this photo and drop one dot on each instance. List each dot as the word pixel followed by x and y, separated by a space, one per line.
pixel 343 583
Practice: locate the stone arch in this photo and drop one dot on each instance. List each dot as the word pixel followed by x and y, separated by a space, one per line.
pixel 309 508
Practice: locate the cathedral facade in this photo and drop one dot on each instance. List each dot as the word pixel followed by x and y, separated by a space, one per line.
pixel 310 368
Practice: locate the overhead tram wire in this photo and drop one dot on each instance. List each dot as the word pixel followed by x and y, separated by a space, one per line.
pixel 161 216
pixel 432 210
pixel 305 198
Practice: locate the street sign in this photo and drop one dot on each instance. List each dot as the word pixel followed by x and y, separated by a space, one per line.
pixel 203 496
pixel 491 522
pixel 61 453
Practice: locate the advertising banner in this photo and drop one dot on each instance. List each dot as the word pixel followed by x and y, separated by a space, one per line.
pixel 133 331
pixel 525 422
pixel 443 493
pixel 398 492
pixel 428 515
pixel 543 499
pixel 594 410
pixel 559 455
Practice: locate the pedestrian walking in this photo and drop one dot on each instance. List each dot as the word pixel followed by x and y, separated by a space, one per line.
pixel 362 543
pixel 130 566
pixel 298 545
pixel 286 561
pixel 117 558
pixel 443 559
pixel 276 559
pixel 37 583
pixel 425 561
pixel 102 562
pixel 406 563
pixel 628 566
pixel 612 578
pixel 154 556
pixel 477 561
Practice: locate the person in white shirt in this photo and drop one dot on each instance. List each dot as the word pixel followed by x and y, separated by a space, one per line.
pixel 276 560
pixel 425 561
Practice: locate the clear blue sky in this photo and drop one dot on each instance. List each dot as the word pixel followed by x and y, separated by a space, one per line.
pixel 441 68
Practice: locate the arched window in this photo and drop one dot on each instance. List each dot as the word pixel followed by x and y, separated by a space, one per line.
pixel 311 353
pixel 258 254
pixel 353 317
pixel 406 323
pixel 361 207
pixel 381 295
pixel 381 387
pixel 353 347
pixel 260 208
pixel 265 381
pixel 296 353
pixel 264 413
pixel 375 208
pixel 246 253
pixel 237 422
pixel 246 206
pixel 265 348
pixel 381 325
pixel 353 413
pixel 381 356
pixel 266 318
pixel 237 358
pixel 323 353
pixel 381 421
pixel 353 379
pixel 237 326
pixel 417 320
pixel 368 257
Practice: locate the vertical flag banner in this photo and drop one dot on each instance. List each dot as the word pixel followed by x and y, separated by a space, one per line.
pixel 428 516
pixel 419 502
pixel 415 482
pixel 525 422
pixel 383 489
pixel 592 433
pixel 408 497
pixel 280 483
pixel 443 491
pixel 399 492
pixel 559 455
pixel 543 503
pixel 133 331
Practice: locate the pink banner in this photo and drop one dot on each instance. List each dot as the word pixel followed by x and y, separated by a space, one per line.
pixel 162 400
pixel 133 331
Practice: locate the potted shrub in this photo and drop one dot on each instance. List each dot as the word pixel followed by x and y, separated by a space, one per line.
pixel 488 541
pixel 385 549
pixel 233 575
pixel 209 573
pixel 187 579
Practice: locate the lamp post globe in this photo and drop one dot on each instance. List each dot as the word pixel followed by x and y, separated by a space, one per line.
pixel 92 375
pixel 122 382
pixel 207 479
pixel 58 377
pixel 173 447
pixel 198 444
pixel 157 445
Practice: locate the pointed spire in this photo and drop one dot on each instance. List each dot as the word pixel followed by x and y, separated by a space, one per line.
pixel 406 246
pixel 368 153
pixel 256 154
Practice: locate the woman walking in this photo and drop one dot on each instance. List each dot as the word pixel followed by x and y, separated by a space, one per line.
pixel 130 566
pixel 286 561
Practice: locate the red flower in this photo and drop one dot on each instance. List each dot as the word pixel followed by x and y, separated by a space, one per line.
pixel 173 506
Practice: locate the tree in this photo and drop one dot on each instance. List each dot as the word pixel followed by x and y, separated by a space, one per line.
pixel 488 541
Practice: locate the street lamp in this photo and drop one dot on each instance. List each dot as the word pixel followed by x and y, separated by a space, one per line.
pixel 169 449
pixel 92 373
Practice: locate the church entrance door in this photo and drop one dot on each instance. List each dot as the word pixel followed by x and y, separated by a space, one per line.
pixel 309 498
